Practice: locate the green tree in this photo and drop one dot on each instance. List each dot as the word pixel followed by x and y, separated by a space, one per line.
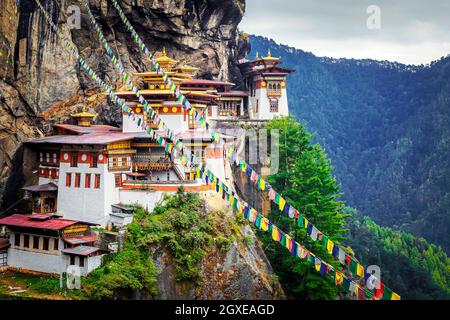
pixel 304 179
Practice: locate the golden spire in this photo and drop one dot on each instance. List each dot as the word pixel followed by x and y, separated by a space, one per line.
pixel 164 54
pixel 257 54
pixel 269 54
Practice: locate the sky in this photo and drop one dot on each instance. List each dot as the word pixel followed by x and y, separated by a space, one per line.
pixel 406 31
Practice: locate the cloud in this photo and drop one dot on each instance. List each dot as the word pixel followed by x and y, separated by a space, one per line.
pixel 412 31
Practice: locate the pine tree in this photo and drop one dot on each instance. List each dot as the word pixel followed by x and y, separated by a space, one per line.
pixel 304 179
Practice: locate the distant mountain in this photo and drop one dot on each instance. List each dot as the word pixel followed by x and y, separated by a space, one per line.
pixel 386 127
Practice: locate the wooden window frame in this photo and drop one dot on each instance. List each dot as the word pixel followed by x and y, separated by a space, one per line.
pixel 36 242
pixel 17 238
pixel 77 180
pixel 46 244
pixel 26 241
pixel 87 180
pixel 68 179
pixel 97 181
pixel 74 159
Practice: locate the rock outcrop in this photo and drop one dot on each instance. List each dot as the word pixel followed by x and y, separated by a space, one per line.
pixel 40 80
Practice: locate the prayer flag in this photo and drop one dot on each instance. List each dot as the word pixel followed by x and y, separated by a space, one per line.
pixel 330 246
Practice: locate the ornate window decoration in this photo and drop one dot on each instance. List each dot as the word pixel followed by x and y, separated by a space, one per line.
pixel 274 105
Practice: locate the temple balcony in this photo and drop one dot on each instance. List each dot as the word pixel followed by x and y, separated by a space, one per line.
pixel 153 166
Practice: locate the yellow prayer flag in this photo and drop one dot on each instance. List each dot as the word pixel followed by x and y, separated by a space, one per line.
pixel 360 271
pixel 330 245
pixel 338 278
pixel 318 267
pixel 264 224
pixel 306 223
pixel 275 233
pixel 282 203
pixel 395 296
pixel 262 184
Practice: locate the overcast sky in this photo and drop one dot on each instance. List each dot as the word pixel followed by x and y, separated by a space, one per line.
pixel 411 31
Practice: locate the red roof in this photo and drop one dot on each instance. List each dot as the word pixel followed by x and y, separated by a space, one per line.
pixel 102 138
pixel 81 251
pixel 42 187
pixel 234 94
pixel 79 240
pixel 84 130
pixel 28 221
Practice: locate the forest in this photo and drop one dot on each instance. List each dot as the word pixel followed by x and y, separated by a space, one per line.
pixel 409 265
pixel 386 127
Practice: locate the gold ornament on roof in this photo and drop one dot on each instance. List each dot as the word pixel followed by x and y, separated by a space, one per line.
pixel 83 114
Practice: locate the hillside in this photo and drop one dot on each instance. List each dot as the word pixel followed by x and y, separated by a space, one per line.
pixel 386 127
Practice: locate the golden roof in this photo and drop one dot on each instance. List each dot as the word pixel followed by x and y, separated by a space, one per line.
pixel 164 60
pixel 269 57
pixel 187 68
pixel 83 114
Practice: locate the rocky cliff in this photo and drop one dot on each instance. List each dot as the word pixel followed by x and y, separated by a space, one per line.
pixel 41 83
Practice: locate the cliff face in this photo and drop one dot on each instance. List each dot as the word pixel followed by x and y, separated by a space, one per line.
pixel 41 81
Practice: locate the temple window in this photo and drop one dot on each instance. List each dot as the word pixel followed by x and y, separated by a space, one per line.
pixel 77 180
pixel 118 180
pixel 45 243
pixel 17 239
pixel 94 161
pixel 26 241
pixel 35 242
pixel 87 180
pixel 97 181
pixel 55 244
pixel 72 260
pixel 74 160
pixel 68 180
pixel 274 89
pixel 273 105
pixel 81 261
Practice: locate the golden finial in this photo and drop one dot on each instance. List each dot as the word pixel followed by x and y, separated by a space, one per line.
pixel 269 54
pixel 84 108
pixel 164 52
pixel 257 54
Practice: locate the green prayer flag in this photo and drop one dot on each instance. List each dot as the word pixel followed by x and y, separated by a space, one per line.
pixel 324 240
pixel 387 295
pixel 346 285
pixel 283 240
pixel 277 198
pixel 353 267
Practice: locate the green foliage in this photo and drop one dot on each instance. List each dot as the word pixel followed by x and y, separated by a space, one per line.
pixel 177 224
pixel 410 265
pixel 306 181
pixel 127 270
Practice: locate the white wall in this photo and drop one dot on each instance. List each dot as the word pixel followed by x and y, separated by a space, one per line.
pixel 175 121
pixel 130 125
pixel 90 263
pixel 264 105
pixel 87 204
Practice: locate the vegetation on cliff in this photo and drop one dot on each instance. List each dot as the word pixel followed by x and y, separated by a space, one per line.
pixel 180 225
